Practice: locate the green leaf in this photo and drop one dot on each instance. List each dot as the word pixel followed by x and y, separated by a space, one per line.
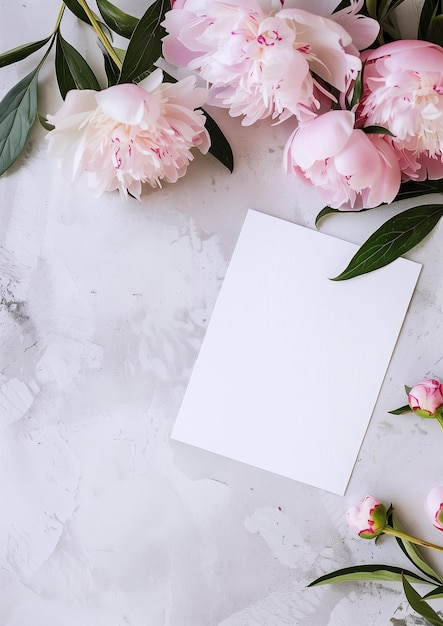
pixel 21 52
pixel 395 237
pixel 72 71
pixel 220 147
pixel 44 122
pixel 145 45
pixel 358 88
pixel 434 594
pixel 18 111
pixel 413 552
pixel 121 23
pixel 323 213
pixel 78 11
pixel 371 7
pixel 419 605
pixel 377 130
pixel 428 12
pixel 401 411
pixel 367 572
pixel 435 33
pixel 412 189
pixel 408 390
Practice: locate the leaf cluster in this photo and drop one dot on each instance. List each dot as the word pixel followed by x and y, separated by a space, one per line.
pixel 403 232
pixel 426 576
pixel 19 108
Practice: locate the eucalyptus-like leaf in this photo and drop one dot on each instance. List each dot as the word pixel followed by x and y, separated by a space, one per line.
pixel 220 147
pixel 394 238
pixel 368 572
pixel 21 52
pixel 428 12
pixel 145 45
pixel 408 390
pixel 72 71
pixel 18 111
pixel 120 22
pixel 401 411
pixel 419 605
pixel 435 594
pixel 323 213
pixel 412 551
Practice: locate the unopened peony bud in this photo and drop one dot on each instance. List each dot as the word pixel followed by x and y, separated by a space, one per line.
pixel 434 506
pixel 367 518
pixel 426 398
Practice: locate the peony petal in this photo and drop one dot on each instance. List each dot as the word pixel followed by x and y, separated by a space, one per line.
pixel 123 103
pixel 323 137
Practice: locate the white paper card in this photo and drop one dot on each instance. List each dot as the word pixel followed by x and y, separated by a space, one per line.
pixel 292 363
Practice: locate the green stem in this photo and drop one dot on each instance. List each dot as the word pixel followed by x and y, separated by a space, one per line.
pixel 59 18
pixel 101 35
pixel 420 542
pixel 439 418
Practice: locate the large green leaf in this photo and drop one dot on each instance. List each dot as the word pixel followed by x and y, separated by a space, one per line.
pixel 73 72
pixel 145 45
pixel 412 551
pixel 395 237
pixel 18 111
pixel 368 572
pixel 21 52
pixel 121 23
pixel 420 605
pixel 220 147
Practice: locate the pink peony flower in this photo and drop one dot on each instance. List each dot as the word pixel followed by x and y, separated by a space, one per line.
pixel 426 398
pixel 434 506
pixel 129 134
pixel 260 58
pixel 403 92
pixel 352 169
pixel 368 519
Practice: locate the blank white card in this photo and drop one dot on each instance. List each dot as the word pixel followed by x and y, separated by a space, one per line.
pixel 292 363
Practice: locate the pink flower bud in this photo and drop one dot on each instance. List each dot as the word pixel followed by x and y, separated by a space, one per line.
pixel 426 398
pixel 367 518
pixel 434 506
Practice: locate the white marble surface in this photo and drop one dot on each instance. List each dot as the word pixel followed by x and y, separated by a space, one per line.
pixel 103 307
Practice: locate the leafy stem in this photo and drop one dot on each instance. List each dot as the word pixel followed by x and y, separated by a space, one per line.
pixel 402 535
pixel 101 35
pixel 59 18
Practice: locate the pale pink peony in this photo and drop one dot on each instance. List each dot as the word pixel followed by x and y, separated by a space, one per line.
pixel 434 506
pixel 426 397
pixel 352 169
pixel 403 92
pixel 259 58
pixel 129 134
pixel 368 518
